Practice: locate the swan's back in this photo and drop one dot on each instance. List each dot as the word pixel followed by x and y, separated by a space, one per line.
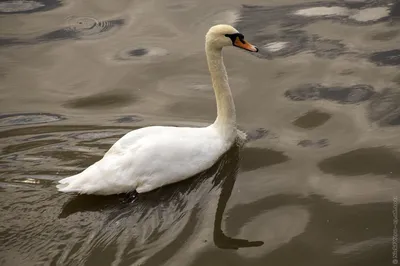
pixel 148 158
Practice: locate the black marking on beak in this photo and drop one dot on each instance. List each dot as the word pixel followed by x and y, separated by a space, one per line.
pixel 238 41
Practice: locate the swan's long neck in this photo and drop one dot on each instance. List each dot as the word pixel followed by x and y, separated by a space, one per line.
pixel 226 119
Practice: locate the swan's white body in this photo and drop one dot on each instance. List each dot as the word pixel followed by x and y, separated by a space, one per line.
pixel 151 157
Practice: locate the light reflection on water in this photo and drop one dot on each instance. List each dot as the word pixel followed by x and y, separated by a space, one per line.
pixel 313 187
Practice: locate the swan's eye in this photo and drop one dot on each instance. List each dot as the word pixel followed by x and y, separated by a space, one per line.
pixel 235 36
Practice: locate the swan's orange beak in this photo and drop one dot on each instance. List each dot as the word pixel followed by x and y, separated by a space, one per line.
pixel 241 43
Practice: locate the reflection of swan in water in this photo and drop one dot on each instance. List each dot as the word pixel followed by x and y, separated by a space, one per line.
pixel 151 157
pixel 152 228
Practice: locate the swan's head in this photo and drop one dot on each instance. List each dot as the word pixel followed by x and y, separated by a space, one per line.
pixel 224 35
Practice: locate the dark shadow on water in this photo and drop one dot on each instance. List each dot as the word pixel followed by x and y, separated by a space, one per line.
pixel 395 10
pixel 129 119
pixel 11 41
pixel 376 160
pixel 345 95
pixel 17 119
pixel 138 52
pixel 384 108
pixel 102 100
pixel 385 35
pixel 87 203
pixel 386 58
pixel 308 143
pixel 312 119
pixel 254 158
pixel 172 197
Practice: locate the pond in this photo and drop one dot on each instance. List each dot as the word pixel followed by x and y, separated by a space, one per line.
pixel 316 185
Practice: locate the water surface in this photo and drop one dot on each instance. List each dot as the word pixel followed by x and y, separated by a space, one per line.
pixel 321 101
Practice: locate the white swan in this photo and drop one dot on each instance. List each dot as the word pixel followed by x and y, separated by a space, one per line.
pixel 151 157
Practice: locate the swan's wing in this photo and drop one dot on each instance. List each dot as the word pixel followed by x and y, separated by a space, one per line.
pixel 130 139
pixel 173 155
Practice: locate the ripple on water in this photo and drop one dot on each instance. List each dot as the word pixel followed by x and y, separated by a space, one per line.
pixel 83 28
pixel 366 246
pixel 357 4
pixel 312 119
pixel 396 79
pixel 10 41
pixel 183 5
pixel 213 17
pixel 30 145
pixel 87 26
pixel 327 48
pixel 27 6
pixel 384 108
pixel 107 100
pixel 376 160
pixel 196 86
pixel 129 119
pixel 29 118
pixel 345 95
pixel 385 35
pixel 365 15
pixel 138 52
pixel 307 143
pixel 288 43
pixel 141 54
pixel 289 36
pixel 93 135
pixel 65 151
pixel 395 10
pixel 275 228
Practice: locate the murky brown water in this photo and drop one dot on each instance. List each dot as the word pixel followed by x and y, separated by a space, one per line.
pixel 324 95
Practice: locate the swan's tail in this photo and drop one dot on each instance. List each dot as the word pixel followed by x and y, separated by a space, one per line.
pixel 68 184
pixel 82 183
pixel 104 177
